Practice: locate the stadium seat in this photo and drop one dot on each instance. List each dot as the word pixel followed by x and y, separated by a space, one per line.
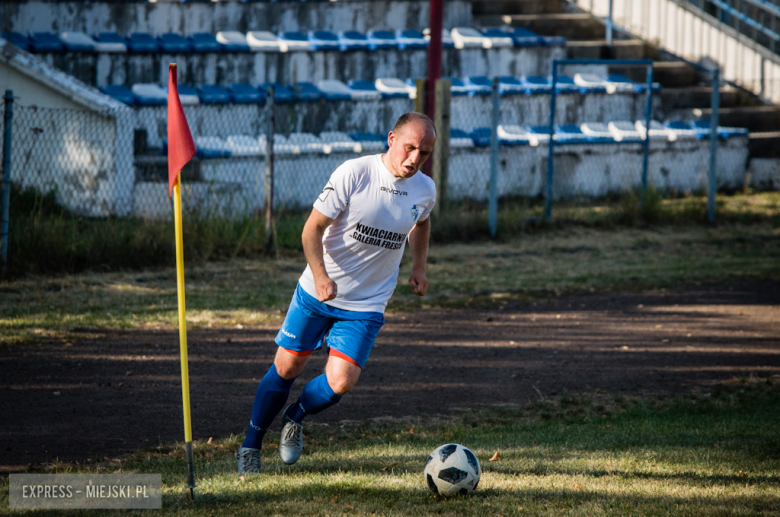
pixel 211 147
pixel 702 128
pixel 233 41
pixel 245 93
pixel 623 83
pixel 512 134
pixel 523 37
pixel 458 87
pixel 282 92
pixel 508 85
pixel 45 42
pixel 382 39
pixel 540 133
pixel 110 42
pixel 410 39
pixel 369 141
pixel 364 90
pixel 262 41
pixel 77 42
pixel 466 37
pixel 171 43
pixel 213 94
pixel 119 92
pixel 338 142
pixel 244 145
pixel 18 39
pixel 624 131
pixel 446 38
pixel 657 131
pixel 553 40
pixel 460 139
pixel 536 84
pixel 141 42
pixel 479 85
pixel 306 142
pixel 335 90
pixel 149 95
pixel 323 40
pixel 306 92
pixel 571 134
pixel 392 87
pixel 592 83
pixel 187 94
pixel 565 84
pixel 598 132
pixel 292 40
pixel 499 38
pixel 482 136
pixel 281 144
pixel 352 40
pixel 204 42
pixel 681 129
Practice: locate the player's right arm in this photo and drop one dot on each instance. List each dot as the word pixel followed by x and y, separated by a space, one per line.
pixel 312 248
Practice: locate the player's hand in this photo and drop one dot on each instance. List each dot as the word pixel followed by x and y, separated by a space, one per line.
pixel 419 283
pixel 326 289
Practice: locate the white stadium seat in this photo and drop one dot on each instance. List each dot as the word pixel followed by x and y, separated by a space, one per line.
pixel 262 41
pixel 466 37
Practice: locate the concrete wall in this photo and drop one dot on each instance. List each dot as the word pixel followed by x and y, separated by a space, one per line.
pixel 30 92
pixel 259 67
pixel 230 186
pixel 187 18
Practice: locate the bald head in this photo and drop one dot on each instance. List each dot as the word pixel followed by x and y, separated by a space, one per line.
pixel 413 116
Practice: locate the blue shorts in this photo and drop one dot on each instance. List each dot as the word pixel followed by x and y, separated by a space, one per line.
pixel 349 334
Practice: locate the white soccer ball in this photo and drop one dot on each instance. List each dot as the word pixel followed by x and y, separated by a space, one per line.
pixel 452 469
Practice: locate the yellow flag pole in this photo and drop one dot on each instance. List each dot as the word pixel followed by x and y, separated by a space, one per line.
pixel 185 376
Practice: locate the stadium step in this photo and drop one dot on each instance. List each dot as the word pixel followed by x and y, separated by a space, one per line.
pixel 493 7
pixel 764 144
pixel 760 119
pixel 700 97
pixel 572 26
pixel 598 49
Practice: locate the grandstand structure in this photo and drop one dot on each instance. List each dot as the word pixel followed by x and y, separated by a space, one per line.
pixel 342 72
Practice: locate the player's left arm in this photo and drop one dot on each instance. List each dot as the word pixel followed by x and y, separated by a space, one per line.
pixel 418 246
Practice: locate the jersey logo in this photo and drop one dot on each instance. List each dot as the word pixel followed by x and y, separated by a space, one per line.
pixel 327 190
pixel 393 191
pixel 415 213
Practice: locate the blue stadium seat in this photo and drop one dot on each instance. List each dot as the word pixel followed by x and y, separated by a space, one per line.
pixel 512 134
pixel 45 42
pixel 293 40
pixel 338 141
pixel 18 39
pixel 204 42
pixel 323 40
pixel 149 95
pixel 598 132
pixel 77 41
pixel 526 37
pixel 213 94
pixel 499 38
pixel 245 93
pixel 282 92
pixel 392 87
pixel 233 41
pixel 623 83
pixel 553 40
pixel 446 38
pixel 367 90
pixel 211 147
pixel 171 43
pixel 369 141
pixel 382 39
pixel 187 94
pixel 482 136
pixel 590 83
pixel 508 85
pixel 460 139
pixel 119 92
pixel 683 129
pixel 141 42
pixel 541 133
pixel 352 40
pixel 565 84
pixel 571 134
pixel 457 86
pixel 479 85
pixel 702 128
pixel 334 90
pixel 306 92
pixel 109 42
pixel 536 84
pixel 410 39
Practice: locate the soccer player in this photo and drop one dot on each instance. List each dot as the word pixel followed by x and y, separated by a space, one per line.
pixel 353 242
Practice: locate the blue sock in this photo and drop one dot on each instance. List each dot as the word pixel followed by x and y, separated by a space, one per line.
pixel 271 395
pixel 317 396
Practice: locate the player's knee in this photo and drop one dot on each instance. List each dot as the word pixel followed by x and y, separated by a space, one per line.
pixel 289 365
pixel 341 382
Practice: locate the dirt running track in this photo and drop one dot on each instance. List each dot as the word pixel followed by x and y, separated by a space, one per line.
pixel 109 396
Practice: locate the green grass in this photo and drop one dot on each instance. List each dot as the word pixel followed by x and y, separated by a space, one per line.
pixel 702 455
pixel 254 292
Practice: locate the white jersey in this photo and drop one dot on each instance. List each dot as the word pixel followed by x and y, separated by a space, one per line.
pixel 373 212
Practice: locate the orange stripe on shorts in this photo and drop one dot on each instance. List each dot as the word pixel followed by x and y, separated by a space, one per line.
pixel 296 352
pixel 343 356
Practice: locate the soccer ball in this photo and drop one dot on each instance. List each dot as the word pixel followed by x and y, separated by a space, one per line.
pixel 452 469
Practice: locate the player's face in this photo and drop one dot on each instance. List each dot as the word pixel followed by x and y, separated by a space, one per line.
pixel 409 148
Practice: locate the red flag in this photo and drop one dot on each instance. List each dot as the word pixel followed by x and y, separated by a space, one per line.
pixel 181 148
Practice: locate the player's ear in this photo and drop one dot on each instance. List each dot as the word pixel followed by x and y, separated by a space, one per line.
pixel 390 138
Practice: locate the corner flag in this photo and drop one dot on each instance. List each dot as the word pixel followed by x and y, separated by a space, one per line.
pixel 180 149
